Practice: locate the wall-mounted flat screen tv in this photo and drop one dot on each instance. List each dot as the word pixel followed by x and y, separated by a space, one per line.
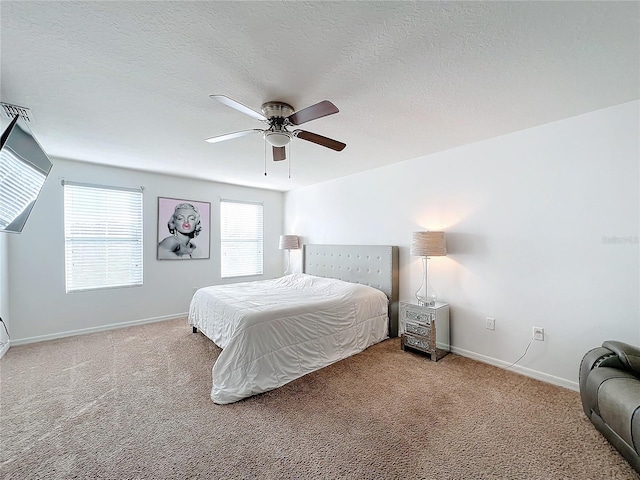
pixel 24 167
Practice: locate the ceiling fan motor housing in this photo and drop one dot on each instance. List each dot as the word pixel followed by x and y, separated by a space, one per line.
pixel 277 113
pixel 276 109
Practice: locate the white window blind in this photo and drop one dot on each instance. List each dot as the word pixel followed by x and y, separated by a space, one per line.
pixel 102 236
pixel 241 231
pixel 20 185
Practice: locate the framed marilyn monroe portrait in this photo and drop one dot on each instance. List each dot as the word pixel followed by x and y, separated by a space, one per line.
pixel 184 229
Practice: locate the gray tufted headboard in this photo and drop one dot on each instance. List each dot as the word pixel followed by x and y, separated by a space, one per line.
pixel 373 265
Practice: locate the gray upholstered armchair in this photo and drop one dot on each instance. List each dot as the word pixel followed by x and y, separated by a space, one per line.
pixel 610 393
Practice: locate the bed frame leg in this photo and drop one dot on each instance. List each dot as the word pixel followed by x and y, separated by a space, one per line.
pixel 195 329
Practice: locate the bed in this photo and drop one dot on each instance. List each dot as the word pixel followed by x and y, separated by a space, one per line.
pixel 274 331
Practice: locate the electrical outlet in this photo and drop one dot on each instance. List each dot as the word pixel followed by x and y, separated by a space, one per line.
pixel 491 323
pixel 538 333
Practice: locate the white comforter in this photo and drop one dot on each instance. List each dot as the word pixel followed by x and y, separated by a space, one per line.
pixel 274 331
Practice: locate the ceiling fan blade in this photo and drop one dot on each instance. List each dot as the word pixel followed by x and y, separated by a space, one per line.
pixel 318 110
pixel 238 106
pixel 279 153
pixel 320 140
pixel 229 136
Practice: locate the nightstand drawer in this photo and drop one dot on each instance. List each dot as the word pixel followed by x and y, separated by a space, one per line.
pixel 418 329
pixel 417 343
pixel 417 314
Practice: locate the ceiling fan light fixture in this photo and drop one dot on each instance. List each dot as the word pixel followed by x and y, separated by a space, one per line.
pixel 277 139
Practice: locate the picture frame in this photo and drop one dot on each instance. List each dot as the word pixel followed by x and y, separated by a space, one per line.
pixel 184 229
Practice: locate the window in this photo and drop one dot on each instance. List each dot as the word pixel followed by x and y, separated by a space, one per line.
pixel 241 238
pixel 102 237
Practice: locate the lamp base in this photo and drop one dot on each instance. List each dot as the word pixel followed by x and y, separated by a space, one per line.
pixel 426 303
pixel 426 295
pixel 287 272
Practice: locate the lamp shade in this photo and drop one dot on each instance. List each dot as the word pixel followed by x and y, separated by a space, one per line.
pixel 428 244
pixel 289 242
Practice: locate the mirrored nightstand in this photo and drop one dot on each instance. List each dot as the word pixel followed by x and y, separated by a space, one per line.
pixel 425 329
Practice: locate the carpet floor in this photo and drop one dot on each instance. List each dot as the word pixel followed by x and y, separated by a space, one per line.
pixel 134 403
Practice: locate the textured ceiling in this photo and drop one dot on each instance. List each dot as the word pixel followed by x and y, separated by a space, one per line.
pixel 128 83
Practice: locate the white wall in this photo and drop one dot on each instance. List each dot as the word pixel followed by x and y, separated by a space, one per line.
pixel 529 218
pixel 39 306
pixel 4 293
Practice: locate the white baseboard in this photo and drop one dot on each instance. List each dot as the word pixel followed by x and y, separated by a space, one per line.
pixel 4 348
pixel 561 382
pixel 545 377
pixel 84 331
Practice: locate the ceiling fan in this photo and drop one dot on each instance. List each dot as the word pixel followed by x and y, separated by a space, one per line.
pixel 279 116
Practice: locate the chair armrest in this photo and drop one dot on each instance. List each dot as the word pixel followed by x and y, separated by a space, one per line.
pixel 628 354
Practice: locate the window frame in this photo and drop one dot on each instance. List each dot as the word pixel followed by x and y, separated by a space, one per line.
pixel 111 233
pixel 224 241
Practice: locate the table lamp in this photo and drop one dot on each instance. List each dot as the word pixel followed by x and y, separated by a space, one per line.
pixel 425 245
pixel 288 243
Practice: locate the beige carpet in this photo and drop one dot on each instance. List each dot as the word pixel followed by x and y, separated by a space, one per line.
pixel 134 403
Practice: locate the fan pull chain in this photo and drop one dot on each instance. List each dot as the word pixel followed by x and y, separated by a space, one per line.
pixel 265 157
pixel 289 162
